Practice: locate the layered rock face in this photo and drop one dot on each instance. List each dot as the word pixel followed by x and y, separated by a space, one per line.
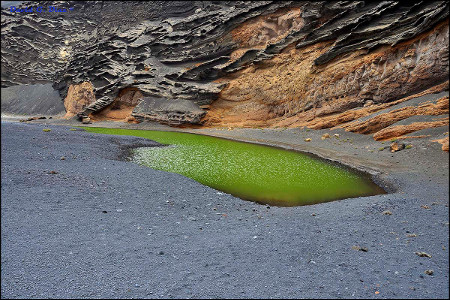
pixel 262 63
pixel 160 48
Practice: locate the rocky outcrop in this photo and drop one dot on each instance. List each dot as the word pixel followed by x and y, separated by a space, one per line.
pixel 173 112
pixel 78 97
pixel 401 130
pixel 367 67
pixel 148 46
pixel 342 119
pixel 444 142
pixel 351 51
pixel 376 123
pixel 291 91
pixel 121 108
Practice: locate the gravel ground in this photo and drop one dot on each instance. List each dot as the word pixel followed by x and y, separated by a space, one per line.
pixel 102 227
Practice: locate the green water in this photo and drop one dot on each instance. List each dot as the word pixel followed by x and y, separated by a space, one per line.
pixel 252 172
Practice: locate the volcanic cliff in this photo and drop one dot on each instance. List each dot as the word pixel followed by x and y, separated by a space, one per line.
pixel 364 66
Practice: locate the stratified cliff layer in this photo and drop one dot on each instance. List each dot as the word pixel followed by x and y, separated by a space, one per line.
pixel 263 63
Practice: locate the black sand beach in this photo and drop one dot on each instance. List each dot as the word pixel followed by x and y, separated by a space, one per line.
pixel 102 227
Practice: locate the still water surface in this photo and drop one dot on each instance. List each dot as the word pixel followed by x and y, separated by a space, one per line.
pixel 253 172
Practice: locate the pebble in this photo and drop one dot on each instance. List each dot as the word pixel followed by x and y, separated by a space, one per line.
pixel 358 248
pixel 325 136
pixel 422 254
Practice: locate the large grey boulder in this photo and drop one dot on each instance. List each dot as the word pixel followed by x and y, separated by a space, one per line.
pixel 172 112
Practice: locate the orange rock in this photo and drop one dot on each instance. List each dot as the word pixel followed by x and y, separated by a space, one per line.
pixel 289 90
pixel 399 130
pixel 384 120
pixel 325 136
pixel 78 97
pixel 395 146
pixel 132 120
pixel 269 28
pixel 444 142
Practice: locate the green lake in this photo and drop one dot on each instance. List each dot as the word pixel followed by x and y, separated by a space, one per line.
pixel 252 172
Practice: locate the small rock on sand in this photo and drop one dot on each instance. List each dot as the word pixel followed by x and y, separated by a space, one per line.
pixel 326 136
pixel 395 146
pixel 358 248
pixel 86 120
pixel 422 254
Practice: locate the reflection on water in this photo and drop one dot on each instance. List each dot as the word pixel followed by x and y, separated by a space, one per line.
pixel 253 172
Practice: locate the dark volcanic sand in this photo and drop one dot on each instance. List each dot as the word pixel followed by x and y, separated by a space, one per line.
pixel 167 236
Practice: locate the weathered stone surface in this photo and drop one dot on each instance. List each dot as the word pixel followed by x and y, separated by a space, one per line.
pixel 172 112
pixel 342 119
pixel 396 146
pixel 78 97
pixel 381 121
pixel 290 90
pixel 121 108
pixel 147 48
pixel 400 130
pixel 353 52
pixel 444 142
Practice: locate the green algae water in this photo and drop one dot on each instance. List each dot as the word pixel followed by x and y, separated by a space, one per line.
pixel 253 172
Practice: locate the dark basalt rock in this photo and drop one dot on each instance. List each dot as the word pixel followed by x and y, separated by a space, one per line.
pixel 177 49
pixel 168 111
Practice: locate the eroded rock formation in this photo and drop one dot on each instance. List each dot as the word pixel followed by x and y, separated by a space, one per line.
pixel 236 63
pixel 121 108
pixel 291 90
pixel 78 97
pixel 444 142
